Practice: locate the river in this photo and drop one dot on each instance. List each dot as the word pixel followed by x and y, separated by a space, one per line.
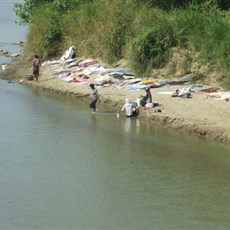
pixel 63 167
pixel 10 32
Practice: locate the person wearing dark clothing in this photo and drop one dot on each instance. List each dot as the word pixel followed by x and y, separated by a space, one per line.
pixel 147 98
pixel 36 63
pixel 94 97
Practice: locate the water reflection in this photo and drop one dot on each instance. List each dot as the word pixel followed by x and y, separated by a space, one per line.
pixel 127 127
pixel 36 91
pixel 137 126
pixel 132 125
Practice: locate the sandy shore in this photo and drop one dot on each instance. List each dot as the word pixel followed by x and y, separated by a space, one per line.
pixel 199 115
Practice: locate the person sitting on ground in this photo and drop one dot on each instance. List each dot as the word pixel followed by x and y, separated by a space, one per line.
pixel 94 98
pixel 146 101
pixel 130 109
pixel 36 63
pixel 147 98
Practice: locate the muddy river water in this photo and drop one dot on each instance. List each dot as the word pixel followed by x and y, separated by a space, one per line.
pixel 63 167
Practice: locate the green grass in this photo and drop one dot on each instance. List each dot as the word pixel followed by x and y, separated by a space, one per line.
pixel 143 35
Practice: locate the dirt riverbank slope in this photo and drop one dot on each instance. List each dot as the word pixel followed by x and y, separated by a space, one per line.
pixel 200 115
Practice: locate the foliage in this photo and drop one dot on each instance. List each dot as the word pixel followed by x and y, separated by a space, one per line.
pixel 23 11
pixel 45 34
pixel 141 31
pixel 99 29
pixel 148 50
pixel 172 4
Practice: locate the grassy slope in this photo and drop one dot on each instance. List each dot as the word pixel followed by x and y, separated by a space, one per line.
pixel 154 43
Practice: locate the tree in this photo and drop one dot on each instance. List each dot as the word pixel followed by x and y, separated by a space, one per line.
pixel 23 11
pixel 169 4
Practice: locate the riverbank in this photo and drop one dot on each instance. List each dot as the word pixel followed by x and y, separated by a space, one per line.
pixel 203 115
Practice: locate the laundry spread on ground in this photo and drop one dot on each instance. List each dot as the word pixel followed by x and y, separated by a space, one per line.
pixel 86 71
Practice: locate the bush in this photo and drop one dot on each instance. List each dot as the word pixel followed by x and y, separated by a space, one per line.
pixel 45 33
pixel 148 50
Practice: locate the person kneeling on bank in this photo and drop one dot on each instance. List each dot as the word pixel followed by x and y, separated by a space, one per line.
pixel 130 109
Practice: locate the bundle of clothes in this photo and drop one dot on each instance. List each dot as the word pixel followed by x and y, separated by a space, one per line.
pixel 183 92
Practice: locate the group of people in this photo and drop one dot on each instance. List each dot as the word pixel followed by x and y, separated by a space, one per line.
pixel 131 109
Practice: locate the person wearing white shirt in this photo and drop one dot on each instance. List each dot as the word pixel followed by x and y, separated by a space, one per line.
pixel 129 108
